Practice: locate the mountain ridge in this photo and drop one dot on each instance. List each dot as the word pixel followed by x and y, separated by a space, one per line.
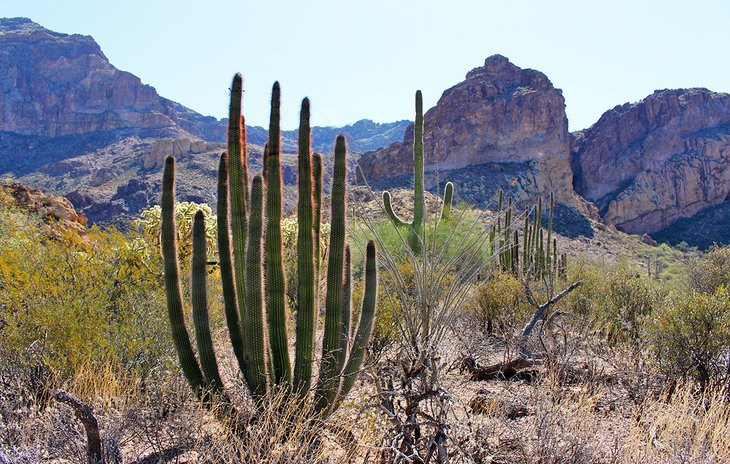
pixel 72 123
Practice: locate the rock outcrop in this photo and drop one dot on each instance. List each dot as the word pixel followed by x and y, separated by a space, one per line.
pixel 648 164
pixel 499 114
pixel 49 207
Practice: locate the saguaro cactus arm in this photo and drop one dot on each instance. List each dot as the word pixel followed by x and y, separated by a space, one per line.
pixel 387 203
pixel 448 200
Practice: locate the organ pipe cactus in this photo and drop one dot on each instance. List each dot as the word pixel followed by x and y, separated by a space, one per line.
pixel 417 225
pixel 256 313
pixel 539 256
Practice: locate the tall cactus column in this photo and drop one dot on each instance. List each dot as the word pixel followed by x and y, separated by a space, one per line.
pixel 275 280
pixel 256 322
pixel 417 232
pixel 334 297
pixel 173 293
pixel 306 256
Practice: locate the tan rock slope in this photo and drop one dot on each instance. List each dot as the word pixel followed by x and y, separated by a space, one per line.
pixel 648 164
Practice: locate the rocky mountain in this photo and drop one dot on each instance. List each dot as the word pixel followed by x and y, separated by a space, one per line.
pixel 57 84
pixel 73 124
pixel 502 127
pixel 643 165
pixel 648 164
pixel 362 136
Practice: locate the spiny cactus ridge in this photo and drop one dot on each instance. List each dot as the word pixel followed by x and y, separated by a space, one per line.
pixel 251 259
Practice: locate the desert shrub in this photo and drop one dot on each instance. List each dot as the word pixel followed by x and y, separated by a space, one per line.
pixel 499 304
pixel 709 272
pixel 615 299
pixel 690 335
pixel 149 225
pixel 75 301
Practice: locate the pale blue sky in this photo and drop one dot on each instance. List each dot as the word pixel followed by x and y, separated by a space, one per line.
pixel 365 59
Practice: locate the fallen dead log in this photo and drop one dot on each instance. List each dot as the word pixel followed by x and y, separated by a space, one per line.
pixel 517 368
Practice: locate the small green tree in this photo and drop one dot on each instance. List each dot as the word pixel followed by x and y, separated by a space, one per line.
pixel 708 273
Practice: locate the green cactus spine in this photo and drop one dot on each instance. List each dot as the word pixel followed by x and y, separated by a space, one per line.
pixel 416 228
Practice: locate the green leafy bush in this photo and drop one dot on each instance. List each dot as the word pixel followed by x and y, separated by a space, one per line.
pixel 690 335
pixel 616 299
pixel 500 303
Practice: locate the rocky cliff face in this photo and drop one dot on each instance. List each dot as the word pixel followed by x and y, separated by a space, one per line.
pixel 499 114
pixel 648 164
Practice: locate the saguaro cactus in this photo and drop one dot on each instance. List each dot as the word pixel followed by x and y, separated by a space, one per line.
pixel 417 226
pixel 257 321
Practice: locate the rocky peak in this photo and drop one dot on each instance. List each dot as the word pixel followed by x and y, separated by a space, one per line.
pixel 503 75
pixel 650 163
pixel 55 84
pixel 500 113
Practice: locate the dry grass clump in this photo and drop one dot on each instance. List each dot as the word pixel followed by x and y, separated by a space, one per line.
pixel 161 421
pixel 549 421
pixel 689 428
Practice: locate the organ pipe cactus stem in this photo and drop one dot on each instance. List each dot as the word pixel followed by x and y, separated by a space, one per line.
pixel 275 280
pixel 200 305
pixel 365 326
pixel 225 261
pixel 173 294
pixel 345 312
pixel 306 256
pixel 238 193
pixel 327 387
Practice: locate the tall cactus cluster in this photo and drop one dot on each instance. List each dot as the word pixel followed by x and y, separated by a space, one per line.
pixel 539 254
pixel 253 279
pixel 417 227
